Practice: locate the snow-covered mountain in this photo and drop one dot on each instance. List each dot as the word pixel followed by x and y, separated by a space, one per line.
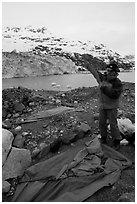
pixel 29 51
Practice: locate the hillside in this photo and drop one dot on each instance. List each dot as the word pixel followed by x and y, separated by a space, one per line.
pixel 35 52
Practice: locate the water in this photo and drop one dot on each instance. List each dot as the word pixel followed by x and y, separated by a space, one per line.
pixel 63 82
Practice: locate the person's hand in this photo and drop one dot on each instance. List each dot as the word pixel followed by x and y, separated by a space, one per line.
pixel 105 84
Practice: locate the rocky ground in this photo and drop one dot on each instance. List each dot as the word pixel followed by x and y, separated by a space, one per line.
pixel 47 133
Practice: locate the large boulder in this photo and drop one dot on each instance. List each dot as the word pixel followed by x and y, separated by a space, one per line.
pixel 17 162
pixel 7 138
pixel 5 186
pixel 126 126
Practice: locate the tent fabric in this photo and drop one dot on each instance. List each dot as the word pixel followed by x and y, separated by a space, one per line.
pixel 72 176
pixel 49 113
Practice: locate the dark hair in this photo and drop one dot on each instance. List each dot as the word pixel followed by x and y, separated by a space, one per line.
pixel 113 67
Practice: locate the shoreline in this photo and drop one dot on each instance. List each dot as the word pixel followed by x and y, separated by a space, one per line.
pixel 125 71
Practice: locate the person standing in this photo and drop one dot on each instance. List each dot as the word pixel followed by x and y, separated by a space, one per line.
pixel 110 89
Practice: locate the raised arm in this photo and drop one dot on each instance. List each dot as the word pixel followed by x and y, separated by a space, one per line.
pixel 95 73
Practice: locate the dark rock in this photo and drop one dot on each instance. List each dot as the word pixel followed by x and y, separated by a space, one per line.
pixel 25 100
pixel 96 116
pixel 130 139
pixel 54 144
pixel 18 107
pixel 35 153
pixel 82 130
pixel 78 133
pixel 13 132
pixel 19 141
pixel 44 149
pixel 69 137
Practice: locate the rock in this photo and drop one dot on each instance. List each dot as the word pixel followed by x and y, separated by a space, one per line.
pixel 124 142
pixel 25 100
pixel 18 129
pixel 18 107
pixel 29 110
pixel 58 102
pixel 9 115
pixel 54 143
pixel 127 197
pixel 19 141
pixel 133 95
pixel 120 112
pixel 35 153
pixel 5 186
pixel 78 133
pixel 31 104
pixel 96 116
pixel 17 162
pixel 69 138
pixel 25 134
pixel 44 149
pixel 94 147
pixel 82 130
pixel 13 132
pixel 53 84
pixel 16 115
pixel 6 124
pixel 126 127
pixel 42 145
pixel 125 94
pixel 7 138
pixel 98 136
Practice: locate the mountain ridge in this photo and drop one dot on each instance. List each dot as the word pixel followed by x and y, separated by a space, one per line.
pixel 30 51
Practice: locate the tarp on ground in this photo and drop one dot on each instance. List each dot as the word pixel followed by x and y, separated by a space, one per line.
pixel 49 112
pixel 72 176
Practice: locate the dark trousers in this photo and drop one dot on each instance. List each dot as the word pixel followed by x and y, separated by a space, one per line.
pixel 111 116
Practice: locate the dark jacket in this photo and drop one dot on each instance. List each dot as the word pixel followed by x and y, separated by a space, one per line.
pixel 109 97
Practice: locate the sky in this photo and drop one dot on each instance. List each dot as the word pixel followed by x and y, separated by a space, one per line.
pixel 109 23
